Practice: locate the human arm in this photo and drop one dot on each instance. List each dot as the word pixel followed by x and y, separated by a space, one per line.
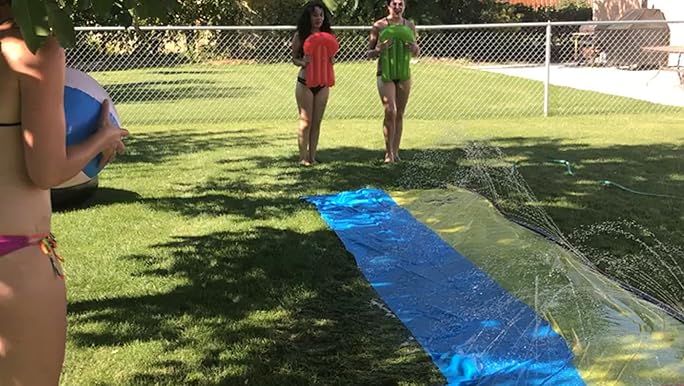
pixel 413 46
pixel 300 61
pixel 49 162
pixel 110 153
pixel 375 47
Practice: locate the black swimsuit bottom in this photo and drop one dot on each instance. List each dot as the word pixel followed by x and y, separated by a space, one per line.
pixel 314 90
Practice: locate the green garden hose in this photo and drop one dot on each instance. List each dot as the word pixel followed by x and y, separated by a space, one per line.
pixel 607 183
pixel 566 163
pixel 568 167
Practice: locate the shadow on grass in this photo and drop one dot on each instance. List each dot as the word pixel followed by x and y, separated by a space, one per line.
pixel 632 236
pixel 159 147
pixel 100 197
pixel 171 90
pixel 276 306
pixel 580 198
pixel 627 235
pixel 267 306
pixel 222 70
pixel 571 201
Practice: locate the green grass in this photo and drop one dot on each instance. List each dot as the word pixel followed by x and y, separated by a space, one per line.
pixel 198 263
pixel 244 92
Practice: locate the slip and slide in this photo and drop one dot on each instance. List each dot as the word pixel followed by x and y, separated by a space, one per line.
pixel 493 303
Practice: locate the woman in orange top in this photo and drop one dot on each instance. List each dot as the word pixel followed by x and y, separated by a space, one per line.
pixel 311 102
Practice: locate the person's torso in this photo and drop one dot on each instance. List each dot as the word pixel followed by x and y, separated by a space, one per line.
pixel 386 23
pixel 24 208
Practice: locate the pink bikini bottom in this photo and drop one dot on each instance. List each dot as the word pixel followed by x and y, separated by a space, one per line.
pixel 46 243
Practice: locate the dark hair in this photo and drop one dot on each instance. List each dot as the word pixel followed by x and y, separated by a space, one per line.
pixel 304 23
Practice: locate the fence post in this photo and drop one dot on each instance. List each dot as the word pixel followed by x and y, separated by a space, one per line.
pixel 547 79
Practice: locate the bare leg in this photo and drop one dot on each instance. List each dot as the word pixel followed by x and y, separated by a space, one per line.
pixel 319 104
pixel 32 319
pixel 403 92
pixel 305 102
pixel 387 92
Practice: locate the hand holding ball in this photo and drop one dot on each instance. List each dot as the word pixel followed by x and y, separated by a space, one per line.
pixel 87 111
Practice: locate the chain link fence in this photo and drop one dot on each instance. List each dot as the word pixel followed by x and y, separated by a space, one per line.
pixel 161 75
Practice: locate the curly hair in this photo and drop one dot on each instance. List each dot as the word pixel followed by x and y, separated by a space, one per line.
pixel 304 22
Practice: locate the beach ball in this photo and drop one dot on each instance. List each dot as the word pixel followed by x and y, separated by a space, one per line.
pixel 82 102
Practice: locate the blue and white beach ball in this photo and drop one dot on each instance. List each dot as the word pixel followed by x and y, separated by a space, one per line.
pixel 82 102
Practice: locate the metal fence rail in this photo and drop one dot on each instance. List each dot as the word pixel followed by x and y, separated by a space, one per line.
pixel 214 74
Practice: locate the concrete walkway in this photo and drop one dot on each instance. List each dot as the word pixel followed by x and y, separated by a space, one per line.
pixel 654 86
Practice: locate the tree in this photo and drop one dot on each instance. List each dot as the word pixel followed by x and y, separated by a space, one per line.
pixel 209 12
pixel 37 19
pixel 355 12
pixel 456 11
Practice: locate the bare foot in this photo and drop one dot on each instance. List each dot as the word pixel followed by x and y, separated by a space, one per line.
pixel 304 162
pixel 388 160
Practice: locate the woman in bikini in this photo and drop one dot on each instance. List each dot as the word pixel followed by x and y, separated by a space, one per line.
pixel 394 94
pixel 34 158
pixel 311 102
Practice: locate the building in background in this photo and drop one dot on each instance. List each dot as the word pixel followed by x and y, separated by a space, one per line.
pixel 604 10
pixel 615 9
pixel 672 10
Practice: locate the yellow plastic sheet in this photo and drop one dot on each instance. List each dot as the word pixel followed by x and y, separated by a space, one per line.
pixel 617 338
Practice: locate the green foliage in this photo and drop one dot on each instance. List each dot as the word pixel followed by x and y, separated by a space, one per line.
pixel 569 11
pixel 39 19
pixel 452 11
pixel 269 12
pixel 208 12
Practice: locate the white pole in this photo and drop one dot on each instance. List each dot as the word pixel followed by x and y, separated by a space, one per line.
pixel 547 80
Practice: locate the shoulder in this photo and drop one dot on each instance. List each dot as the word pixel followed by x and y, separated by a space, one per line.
pixel 380 24
pixel 411 24
pixel 23 61
pixel 296 41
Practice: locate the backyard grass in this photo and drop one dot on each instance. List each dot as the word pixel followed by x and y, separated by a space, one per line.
pixel 266 92
pixel 197 262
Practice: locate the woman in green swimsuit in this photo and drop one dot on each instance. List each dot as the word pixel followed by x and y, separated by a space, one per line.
pixel 394 89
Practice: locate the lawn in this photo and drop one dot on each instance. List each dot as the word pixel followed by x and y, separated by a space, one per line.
pixel 245 92
pixel 198 263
